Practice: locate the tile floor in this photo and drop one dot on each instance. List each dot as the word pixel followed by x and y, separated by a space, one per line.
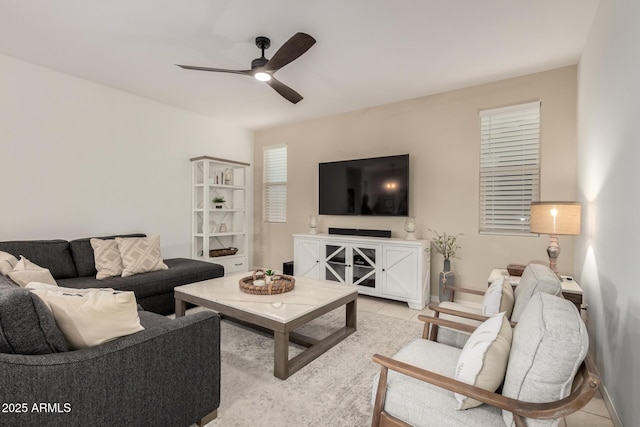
pixel 594 414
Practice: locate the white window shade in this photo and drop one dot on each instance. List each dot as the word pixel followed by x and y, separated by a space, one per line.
pixel 509 167
pixel 275 184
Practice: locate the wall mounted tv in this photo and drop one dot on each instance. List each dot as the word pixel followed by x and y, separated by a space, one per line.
pixel 376 186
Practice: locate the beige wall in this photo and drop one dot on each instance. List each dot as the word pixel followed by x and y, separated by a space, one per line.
pixel 441 134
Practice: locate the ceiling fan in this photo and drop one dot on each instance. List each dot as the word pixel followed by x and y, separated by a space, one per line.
pixel 263 69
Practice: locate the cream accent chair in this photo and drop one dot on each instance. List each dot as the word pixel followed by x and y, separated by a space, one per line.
pixel 547 376
pixel 535 278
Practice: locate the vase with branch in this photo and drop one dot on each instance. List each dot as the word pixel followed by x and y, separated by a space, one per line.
pixel 446 245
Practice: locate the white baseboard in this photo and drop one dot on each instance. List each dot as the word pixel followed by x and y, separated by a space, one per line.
pixel 615 418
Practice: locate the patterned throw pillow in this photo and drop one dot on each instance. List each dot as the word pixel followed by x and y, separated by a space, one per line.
pixel 25 272
pixel 140 255
pixel 107 258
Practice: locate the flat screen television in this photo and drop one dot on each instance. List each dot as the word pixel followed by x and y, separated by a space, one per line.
pixel 375 186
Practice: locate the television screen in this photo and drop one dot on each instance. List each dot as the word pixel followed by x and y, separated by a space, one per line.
pixel 376 186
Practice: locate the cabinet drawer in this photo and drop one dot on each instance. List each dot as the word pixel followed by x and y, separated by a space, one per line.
pixel 232 264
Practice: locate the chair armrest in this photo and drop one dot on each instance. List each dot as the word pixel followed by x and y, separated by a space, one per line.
pixel 458 313
pixel 445 322
pixel 165 375
pixel 465 290
pixel 587 378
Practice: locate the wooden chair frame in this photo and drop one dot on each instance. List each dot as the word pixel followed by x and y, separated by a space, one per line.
pixel 585 385
pixel 452 312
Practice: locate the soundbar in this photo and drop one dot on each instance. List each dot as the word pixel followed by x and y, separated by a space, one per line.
pixel 360 232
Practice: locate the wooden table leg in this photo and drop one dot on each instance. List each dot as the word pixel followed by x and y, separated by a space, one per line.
pixel 352 314
pixel 281 355
pixel 181 307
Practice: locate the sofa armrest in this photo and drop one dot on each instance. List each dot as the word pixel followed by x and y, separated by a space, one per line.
pixel 165 375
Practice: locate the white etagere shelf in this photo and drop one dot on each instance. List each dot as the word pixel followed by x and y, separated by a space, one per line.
pixel 216 228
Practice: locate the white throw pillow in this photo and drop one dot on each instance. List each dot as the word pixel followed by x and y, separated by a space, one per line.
pixel 107 258
pixel 46 287
pixel 140 255
pixel 7 262
pixel 483 360
pixel 498 298
pixel 25 272
pixel 94 317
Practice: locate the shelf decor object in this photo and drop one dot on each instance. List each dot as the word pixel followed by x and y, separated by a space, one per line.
pixel 279 284
pixel 313 224
pixel 410 228
pixel 555 218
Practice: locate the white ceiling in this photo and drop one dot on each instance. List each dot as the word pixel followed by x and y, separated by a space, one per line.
pixel 368 52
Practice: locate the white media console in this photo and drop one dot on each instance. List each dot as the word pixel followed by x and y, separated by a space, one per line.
pixel 383 267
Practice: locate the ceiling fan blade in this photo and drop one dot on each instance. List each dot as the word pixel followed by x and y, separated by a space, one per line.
pixel 218 70
pixel 292 49
pixel 284 90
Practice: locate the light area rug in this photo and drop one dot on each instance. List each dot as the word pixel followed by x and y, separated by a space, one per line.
pixel 333 390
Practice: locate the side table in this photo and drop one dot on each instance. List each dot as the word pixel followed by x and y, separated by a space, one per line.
pixel 570 288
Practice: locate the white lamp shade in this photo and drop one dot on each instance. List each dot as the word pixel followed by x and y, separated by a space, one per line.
pixel 555 218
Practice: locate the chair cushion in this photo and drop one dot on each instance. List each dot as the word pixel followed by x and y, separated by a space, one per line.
pixel 27 326
pixel 549 343
pixel 498 298
pixel 483 360
pixel 51 254
pixel 453 337
pixel 424 405
pixel 536 278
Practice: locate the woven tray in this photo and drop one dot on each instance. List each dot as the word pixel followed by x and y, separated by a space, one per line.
pixel 223 252
pixel 280 284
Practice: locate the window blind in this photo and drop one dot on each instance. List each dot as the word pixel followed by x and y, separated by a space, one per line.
pixel 509 167
pixel 275 184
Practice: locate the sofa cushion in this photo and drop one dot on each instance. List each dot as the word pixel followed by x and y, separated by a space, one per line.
pixel 51 254
pixel 26 271
pixel 92 317
pixel 83 256
pixel 424 405
pixel 140 255
pixel 536 278
pixel 483 360
pixel 107 258
pixel 549 343
pixel 27 326
pixel 181 271
pixel 7 262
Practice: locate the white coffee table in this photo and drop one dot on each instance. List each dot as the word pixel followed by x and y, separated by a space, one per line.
pixel 279 314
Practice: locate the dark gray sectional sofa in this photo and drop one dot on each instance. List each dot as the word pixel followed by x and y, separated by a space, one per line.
pixel 165 375
pixel 72 265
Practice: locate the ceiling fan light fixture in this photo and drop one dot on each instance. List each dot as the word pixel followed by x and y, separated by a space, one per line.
pixel 262 76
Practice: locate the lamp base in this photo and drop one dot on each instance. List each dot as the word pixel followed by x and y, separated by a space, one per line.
pixel 411 235
pixel 553 251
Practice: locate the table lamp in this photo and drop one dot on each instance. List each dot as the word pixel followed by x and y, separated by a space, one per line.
pixel 555 218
